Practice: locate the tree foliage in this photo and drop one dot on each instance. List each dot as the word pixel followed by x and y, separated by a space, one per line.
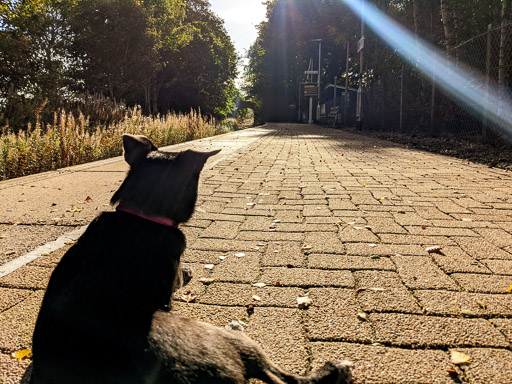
pixel 284 45
pixel 160 54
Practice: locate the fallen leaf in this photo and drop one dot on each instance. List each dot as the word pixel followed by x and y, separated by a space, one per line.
pixel 259 285
pixel 250 204
pixel 88 198
pixel 257 298
pixel 44 254
pixel 306 247
pixel 434 249
pixel 69 242
pixel 467 312
pixel 375 257
pixel 206 280
pixel 459 358
pixel 3 237
pixel 372 245
pixel 22 354
pixel 189 297
pixel 222 257
pixel 240 254
pixel 509 290
pixel 362 316
pixel 8 253
pixel 304 302
pixel 278 284
pixel 209 266
pixel 481 304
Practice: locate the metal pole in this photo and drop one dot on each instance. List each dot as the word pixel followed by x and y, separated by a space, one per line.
pixel 361 70
pixel 319 70
pixel 401 95
pixel 310 121
pixel 345 102
pixel 485 122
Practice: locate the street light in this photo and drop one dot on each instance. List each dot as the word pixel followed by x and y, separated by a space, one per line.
pixel 318 79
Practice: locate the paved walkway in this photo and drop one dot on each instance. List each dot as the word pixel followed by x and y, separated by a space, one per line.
pixel 305 210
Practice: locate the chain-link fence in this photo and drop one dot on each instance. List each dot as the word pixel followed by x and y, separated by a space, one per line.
pixel 407 101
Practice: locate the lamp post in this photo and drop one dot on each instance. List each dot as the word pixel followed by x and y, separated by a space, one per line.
pixel 318 78
pixel 360 47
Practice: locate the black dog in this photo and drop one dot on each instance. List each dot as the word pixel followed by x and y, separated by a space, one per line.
pixel 105 315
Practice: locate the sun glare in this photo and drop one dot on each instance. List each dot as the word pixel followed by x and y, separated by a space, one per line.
pixel 464 85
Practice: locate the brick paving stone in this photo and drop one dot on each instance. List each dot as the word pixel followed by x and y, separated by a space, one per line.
pixel 213 314
pixel 440 231
pixel 409 218
pixel 303 277
pixel 18 322
pixel 504 326
pixel 388 238
pixel 432 213
pixel 497 236
pixel 270 235
pixel 289 349
pixel 238 269
pixel 333 316
pixel 29 278
pixel 11 297
pixel 432 332
pixel 330 261
pixel 454 259
pixel 377 279
pixel 324 243
pixel 383 225
pixel 503 267
pixel 282 254
pixel 384 249
pixel 384 365
pixel 472 282
pixel 464 303
pixel 357 234
pixel 289 216
pixel 488 365
pixel 206 257
pixel 243 294
pixel 377 299
pixel 224 245
pixel 420 272
pixel 220 229
pixel 316 210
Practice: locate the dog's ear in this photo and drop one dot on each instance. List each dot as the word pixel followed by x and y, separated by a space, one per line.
pixel 136 148
pixel 196 160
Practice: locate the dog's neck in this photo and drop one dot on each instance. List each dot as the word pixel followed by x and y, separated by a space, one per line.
pixel 159 220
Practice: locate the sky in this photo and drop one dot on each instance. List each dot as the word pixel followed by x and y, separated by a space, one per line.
pixel 241 18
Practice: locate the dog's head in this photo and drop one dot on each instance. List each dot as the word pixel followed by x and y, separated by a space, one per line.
pixel 160 184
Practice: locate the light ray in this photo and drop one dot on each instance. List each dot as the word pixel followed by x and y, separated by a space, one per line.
pixel 465 85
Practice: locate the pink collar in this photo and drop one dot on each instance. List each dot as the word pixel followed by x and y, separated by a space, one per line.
pixel 160 220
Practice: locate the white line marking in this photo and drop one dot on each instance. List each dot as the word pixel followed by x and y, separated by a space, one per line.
pixel 50 247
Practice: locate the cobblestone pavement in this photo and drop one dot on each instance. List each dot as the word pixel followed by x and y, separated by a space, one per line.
pixel 341 218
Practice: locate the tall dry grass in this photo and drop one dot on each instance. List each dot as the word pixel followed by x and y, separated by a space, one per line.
pixel 71 141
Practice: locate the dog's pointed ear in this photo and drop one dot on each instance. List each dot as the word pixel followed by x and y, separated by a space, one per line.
pixel 136 148
pixel 196 160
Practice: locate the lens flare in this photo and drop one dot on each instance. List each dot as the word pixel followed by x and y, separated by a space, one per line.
pixel 466 86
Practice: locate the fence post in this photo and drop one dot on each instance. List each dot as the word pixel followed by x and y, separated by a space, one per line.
pixel 487 80
pixel 401 95
pixel 345 100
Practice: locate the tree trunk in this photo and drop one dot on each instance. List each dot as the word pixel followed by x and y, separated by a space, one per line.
pixel 447 15
pixel 505 46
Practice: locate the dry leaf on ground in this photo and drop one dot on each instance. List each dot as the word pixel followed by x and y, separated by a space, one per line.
pixel 459 358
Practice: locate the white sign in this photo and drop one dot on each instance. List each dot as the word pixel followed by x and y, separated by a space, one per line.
pixel 311 72
pixel 360 44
